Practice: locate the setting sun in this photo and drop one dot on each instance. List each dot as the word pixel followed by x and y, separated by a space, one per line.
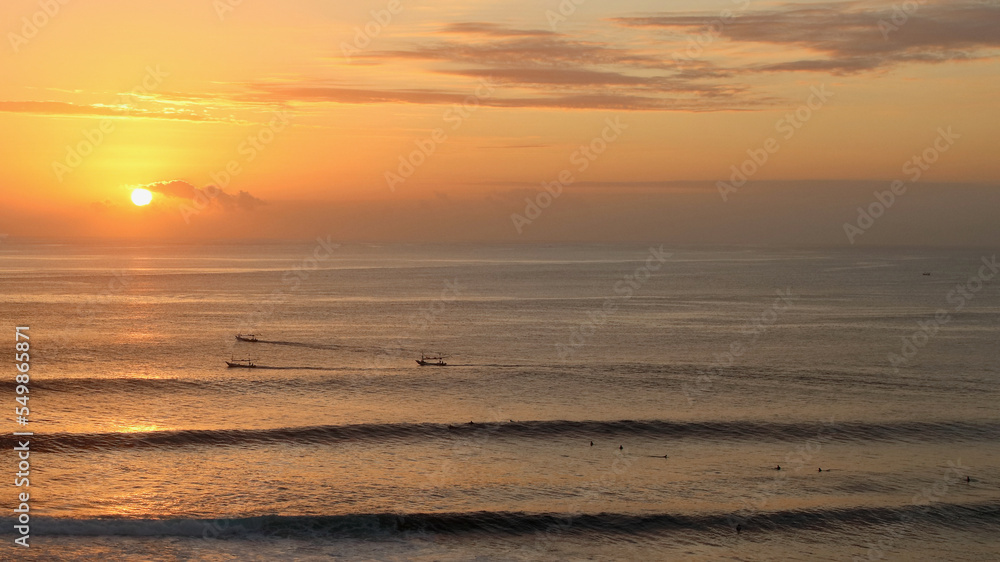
pixel 141 196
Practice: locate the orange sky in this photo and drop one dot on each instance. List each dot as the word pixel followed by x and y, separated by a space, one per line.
pixel 312 114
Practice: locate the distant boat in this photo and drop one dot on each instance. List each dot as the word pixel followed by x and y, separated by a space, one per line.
pixel 245 363
pixel 431 360
pixel 252 338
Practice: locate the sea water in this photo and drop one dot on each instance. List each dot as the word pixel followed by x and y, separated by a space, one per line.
pixel 600 402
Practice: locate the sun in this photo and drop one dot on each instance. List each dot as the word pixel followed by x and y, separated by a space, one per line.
pixel 142 197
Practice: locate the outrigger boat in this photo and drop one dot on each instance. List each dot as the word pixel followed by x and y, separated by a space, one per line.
pixel 245 363
pixel 434 361
pixel 252 338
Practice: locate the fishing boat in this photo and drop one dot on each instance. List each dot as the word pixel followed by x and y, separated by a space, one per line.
pixel 252 338
pixel 432 360
pixel 244 363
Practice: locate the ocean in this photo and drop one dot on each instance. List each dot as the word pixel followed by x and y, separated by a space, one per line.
pixel 600 402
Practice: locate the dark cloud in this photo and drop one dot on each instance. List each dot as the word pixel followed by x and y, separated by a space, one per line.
pixel 850 37
pixel 521 51
pixel 184 190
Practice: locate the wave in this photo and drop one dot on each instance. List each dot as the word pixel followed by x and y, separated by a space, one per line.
pixel 558 429
pixel 957 516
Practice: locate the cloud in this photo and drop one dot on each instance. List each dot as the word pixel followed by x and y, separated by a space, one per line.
pixel 546 98
pixel 493 29
pixel 575 77
pixel 852 37
pixel 184 190
pixel 535 68
pixel 630 65
pixel 96 110
pixel 520 49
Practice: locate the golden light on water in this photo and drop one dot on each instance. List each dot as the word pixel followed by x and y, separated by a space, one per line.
pixel 126 427
pixel 142 197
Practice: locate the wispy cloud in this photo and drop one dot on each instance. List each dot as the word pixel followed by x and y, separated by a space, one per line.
pixel 618 100
pixel 852 36
pixel 537 69
pixel 627 67
pixel 56 108
pixel 518 49
pixel 493 29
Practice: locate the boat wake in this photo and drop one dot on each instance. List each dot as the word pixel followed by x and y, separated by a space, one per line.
pixel 328 347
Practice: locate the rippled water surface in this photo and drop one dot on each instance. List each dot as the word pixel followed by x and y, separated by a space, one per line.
pixel 591 409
